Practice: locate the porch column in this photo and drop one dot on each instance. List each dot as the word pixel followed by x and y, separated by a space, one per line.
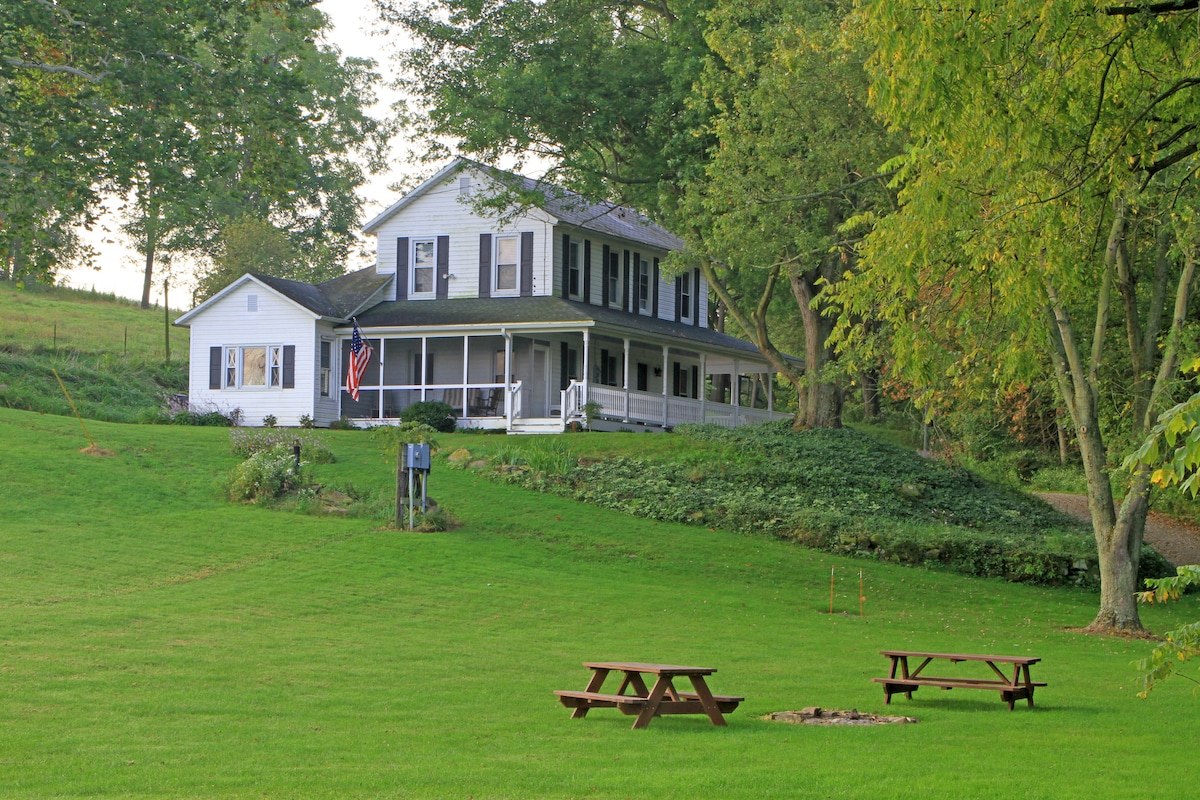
pixel 703 385
pixel 625 381
pixel 666 382
pixel 424 364
pixel 382 392
pixel 737 390
pixel 466 360
pixel 508 380
pixel 587 369
pixel 770 395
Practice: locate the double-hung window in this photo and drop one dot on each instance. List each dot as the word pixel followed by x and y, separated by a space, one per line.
pixel 644 287
pixel 507 250
pixel 685 296
pixel 326 367
pixel 574 272
pixel 613 276
pixel 424 262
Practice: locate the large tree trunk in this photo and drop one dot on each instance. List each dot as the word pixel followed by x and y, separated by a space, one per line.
pixel 823 398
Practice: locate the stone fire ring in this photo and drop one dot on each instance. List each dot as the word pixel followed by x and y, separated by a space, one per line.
pixel 814 715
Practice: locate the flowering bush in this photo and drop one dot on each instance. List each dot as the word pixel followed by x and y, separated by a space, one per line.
pixel 266 475
pixel 245 442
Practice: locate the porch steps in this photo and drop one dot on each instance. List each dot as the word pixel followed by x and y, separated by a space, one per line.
pixel 537 425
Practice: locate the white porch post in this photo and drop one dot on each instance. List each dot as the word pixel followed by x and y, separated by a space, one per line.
pixel 625 381
pixel 737 391
pixel 666 382
pixel 771 394
pixel 703 386
pixel 466 360
pixel 508 380
pixel 587 368
pixel 424 364
pixel 382 349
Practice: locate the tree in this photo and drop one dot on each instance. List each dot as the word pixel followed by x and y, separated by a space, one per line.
pixel 250 244
pixel 794 158
pixel 686 109
pixel 1048 181
pixel 200 112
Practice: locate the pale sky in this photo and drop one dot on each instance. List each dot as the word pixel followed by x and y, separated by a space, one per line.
pixel 121 269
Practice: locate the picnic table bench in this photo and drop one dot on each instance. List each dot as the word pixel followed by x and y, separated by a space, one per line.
pixel 901 681
pixel 634 697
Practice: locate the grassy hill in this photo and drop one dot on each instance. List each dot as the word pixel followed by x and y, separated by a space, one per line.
pixel 110 354
pixel 158 640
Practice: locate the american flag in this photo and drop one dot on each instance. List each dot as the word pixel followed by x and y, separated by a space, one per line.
pixel 360 354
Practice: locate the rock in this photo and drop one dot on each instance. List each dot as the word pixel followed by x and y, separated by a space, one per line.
pixel 460 455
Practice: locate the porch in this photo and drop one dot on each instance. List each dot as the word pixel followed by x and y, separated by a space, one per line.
pixel 542 381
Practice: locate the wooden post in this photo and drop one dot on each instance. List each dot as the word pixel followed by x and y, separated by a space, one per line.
pixel 831 590
pixel 166 322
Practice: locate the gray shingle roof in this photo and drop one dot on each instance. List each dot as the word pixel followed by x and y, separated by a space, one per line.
pixel 532 310
pixel 338 298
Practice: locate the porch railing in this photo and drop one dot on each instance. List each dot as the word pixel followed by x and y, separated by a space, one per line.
pixel 620 405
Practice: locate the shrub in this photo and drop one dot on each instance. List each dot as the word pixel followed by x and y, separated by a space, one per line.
pixel 265 476
pixel 437 415
pixel 246 442
pixel 342 424
pixel 306 421
pixel 269 421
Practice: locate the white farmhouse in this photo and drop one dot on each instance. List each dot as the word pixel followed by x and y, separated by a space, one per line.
pixel 517 321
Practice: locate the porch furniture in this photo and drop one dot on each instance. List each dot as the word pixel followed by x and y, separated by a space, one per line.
pixel 901 681
pixel 633 697
pixel 486 402
pixel 453 397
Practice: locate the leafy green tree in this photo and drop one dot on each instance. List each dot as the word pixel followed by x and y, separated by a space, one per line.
pixel 1179 645
pixel 793 161
pixel 739 125
pixel 202 111
pixel 1047 210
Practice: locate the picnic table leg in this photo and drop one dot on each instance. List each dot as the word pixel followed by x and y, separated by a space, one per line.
pixel 651 707
pixel 593 686
pixel 706 700
pixel 1028 686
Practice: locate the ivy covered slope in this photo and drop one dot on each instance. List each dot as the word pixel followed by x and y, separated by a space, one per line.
pixel 844 492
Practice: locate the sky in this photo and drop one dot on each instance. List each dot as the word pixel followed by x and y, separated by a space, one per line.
pixel 121 269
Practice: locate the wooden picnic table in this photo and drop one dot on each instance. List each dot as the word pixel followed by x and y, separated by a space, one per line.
pixel 633 697
pixel 1011 687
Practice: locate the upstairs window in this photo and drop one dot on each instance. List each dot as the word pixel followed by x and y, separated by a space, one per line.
pixel 507 250
pixel 644 286
pixel 613 276
pixel 424 261
pixel 574 272
pixel 685 296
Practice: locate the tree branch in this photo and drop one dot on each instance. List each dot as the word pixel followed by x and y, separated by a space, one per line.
pixel 1153 8
pixel 804 198
pixel 56 68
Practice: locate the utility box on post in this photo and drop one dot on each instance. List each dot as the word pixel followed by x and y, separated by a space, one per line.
pixel 416 456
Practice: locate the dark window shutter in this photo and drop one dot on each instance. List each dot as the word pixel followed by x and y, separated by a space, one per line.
pixel 443 267
pixel 654 290
pixel 695 382
pixel 625 285
pixel 566 267
pixel 604 277
pixel 485 265
pixel 402 268
pixel 696 297
pixel 215 363
pixel 289 366
pixel 587 271
pixel 678 299
pixel 527 264
pixel 564 366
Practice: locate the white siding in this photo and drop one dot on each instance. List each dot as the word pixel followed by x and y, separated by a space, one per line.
pixel 277 321
pixel 442 211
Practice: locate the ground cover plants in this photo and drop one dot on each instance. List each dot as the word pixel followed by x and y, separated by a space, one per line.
pixel 159 640
pixel 835 490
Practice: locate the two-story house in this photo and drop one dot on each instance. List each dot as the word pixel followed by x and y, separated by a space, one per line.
pixel 517 321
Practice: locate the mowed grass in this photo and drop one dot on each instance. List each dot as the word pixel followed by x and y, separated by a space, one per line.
pixel 156 641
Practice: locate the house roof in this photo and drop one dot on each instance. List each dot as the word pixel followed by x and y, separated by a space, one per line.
pixel 338 298
pixel 534 310
pixel 563 205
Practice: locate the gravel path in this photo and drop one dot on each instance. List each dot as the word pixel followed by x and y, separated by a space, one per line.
pixel 1177 542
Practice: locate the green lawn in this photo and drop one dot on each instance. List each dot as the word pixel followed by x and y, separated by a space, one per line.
pixel 156 641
